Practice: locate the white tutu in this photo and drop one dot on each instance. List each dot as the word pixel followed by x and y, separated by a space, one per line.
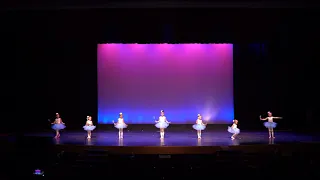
pixel 58 126
pixel 199 127
pixel 89 128
pixel 162 125
pixel 233 130
pixel 270 124
pixel 120 126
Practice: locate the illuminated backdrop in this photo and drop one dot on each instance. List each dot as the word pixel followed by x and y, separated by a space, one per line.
pixel 139 80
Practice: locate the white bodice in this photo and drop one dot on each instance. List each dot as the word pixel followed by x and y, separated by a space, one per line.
pixel 234 126
pixel 162 119
pixel 199 121
pixel 120 120
pixel 270 119
pixel 89 123
pixel 58 120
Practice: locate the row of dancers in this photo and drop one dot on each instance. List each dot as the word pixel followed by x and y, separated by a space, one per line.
pixel 162 123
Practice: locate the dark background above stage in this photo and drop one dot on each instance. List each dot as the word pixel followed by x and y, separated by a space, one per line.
pixel 55 53
pixel 106 4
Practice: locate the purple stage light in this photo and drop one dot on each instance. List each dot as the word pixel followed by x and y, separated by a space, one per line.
pixel 183 79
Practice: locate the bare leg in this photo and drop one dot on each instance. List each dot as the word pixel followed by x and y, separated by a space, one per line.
pixel 89 134
pixel 121 134
pixel 234 135
pixel 161 133
pixel 57 134
pixel 200 134
pixel 272 133
pixel 269 129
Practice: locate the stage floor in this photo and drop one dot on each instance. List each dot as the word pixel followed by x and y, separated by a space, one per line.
pixel 183 138
pixel 177 142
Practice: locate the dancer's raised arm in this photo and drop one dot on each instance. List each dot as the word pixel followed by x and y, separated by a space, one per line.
pixel 277 117
pixel 167 121
pixel 262 119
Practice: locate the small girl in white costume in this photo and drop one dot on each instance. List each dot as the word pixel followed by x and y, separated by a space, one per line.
pixel 199 126
pixel 270 124
pixel 162 123
pixel 58 125
pixel 120 125
pixel 234 129
pixel 89 127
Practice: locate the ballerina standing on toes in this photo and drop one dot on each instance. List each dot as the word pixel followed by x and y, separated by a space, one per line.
pixel 270 124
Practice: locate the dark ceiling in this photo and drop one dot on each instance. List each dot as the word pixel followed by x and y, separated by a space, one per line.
pixel 89 4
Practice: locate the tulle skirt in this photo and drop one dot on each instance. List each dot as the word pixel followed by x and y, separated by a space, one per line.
pixel 233 130
pixel 89 128
pixel 120 126
pixel 199 127
pixel 162 125
pixel 270 124
pixel 58 126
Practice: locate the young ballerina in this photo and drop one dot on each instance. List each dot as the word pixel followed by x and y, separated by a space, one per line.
pixel 58 125
pixel 199 126
pixel 89 127
pixel 162 123
pixel 120 125
pixel 270 124
pixel 234 130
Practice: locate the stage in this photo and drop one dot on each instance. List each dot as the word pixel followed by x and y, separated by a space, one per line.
pixel 143 151
pixel 175 142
